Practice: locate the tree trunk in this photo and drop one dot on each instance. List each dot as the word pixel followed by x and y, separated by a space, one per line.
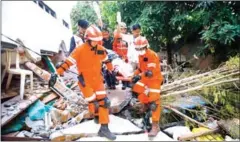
pixel 169 53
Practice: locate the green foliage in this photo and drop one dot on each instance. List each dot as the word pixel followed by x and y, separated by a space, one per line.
pixel 233 62
pixel 222 32
pixel 153 17
pixel 167 23
pixel 82 10
pixel 225 100
pixel 109 11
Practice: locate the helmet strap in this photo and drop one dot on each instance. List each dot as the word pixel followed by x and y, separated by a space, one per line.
pixel 93 48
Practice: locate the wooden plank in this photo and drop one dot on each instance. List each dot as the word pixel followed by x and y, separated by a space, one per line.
pixel 8 95
pixel 49 97
pixel 9 113
pixel 185 116
pixel 12 134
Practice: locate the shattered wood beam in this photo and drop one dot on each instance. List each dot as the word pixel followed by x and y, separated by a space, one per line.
pixel 199 87
pixel 49 97
pixel 194 135
pixel 23 104
pixel 186 117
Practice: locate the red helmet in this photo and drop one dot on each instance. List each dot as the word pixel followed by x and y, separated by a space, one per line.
pixel 141 42
pixel 93 33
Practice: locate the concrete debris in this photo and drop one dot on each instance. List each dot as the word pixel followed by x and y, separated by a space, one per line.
pixel 119 99
pixel 16 107
pixel 117 125
pixel 177 131
pixel 33 124
pixel 60 104
pixel 48 121
pixel 228 138
pixel 60 116
pixel 25 134
pixel 136 137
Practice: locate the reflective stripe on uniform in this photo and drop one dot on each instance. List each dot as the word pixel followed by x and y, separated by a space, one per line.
pixel 101 92
pixel 155 90
pixel 91 98
pixel 140 83
pixel 72 60
pixel 151 65
pixel 105 59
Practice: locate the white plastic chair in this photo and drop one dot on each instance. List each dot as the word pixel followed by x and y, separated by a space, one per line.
pixel 16 71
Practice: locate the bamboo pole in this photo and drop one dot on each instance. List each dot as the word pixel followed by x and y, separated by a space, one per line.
pixel 186 117
pixel 192 78
pixel 194 135
pixel 194 81
pixel 199 87
pixel 198 76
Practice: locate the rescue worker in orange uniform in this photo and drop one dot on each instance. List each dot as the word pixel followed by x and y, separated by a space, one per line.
pixel 89 58
pixel 148 75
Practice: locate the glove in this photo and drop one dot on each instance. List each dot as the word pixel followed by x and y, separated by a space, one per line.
pixel 134 94
pixel 58 65
pixel 53 79
pixel 148 73
pixel 136 78
pixel 143 98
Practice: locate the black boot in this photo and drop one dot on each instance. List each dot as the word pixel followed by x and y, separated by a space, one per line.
pixel 105 132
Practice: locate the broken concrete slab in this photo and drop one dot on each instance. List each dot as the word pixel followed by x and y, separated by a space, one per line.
pixel 116 125
pixel 119 99
pixel 60 116
pixel 136 137
pixel 177 131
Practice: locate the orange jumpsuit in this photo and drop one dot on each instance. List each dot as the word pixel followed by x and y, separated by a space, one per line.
pixel 89 63
pixel 121 48
pixel 149 61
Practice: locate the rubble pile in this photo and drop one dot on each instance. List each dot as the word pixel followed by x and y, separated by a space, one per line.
pixel 50 116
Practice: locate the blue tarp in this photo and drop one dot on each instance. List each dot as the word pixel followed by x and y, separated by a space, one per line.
pixel 189 102
pixel 37 110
